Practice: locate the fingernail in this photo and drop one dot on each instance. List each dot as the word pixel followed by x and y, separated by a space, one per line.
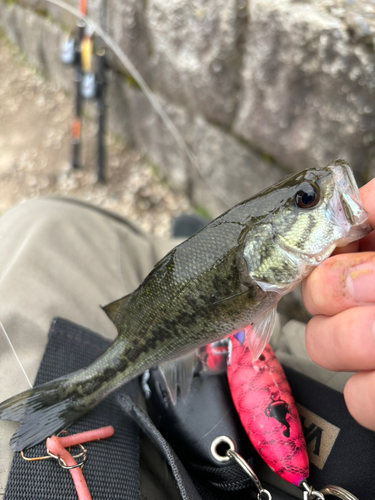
pixel 360 283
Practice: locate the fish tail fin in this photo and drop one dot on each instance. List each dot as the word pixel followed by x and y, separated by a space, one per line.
pixel 42 411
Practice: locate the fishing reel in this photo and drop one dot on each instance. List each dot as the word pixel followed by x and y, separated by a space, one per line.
pixel 67 50
pixel 88 86
pixel 88 81
pixel 80 54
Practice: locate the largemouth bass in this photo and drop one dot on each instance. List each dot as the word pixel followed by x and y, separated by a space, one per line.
pixel 229 275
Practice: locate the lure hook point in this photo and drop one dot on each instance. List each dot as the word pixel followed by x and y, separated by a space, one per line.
pixel 310 493
pixel 337 491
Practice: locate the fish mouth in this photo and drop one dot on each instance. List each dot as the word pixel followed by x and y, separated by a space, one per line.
pixel 345 207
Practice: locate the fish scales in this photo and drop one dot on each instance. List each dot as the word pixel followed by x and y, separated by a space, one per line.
pixel 229 275
pixel 193 301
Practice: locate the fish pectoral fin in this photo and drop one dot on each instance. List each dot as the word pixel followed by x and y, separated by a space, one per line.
pixel 114 309
pixel 179 372
pixel 258 335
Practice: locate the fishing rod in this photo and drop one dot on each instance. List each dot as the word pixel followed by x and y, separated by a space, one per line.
pixel 100 95
pixel 77 120
pixel 132 70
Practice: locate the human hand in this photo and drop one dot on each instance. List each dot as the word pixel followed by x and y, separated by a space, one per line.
pixel 340 293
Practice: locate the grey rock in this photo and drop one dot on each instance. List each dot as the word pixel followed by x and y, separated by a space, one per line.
pixel 43 51
pixel 195 53
pixel 54 12
pixel 292 79
pixel 308 91
pixel 60 15
pixel 125 22
pixel 232 172
pixel 227 172
pixel 117 105
pixel 357 17
pixel 153 138
pixel 51 38
pixel 9 23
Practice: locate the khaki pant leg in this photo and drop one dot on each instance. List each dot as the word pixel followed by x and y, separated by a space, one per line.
pixel 65 258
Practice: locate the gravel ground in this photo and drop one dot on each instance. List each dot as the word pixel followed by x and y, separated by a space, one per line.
pixel 35 153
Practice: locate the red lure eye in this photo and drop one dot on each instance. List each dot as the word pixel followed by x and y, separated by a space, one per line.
pixel 308 196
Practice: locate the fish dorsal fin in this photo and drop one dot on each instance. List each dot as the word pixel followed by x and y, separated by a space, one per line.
pixel 179 372
pixel 258 334
pixel 114 310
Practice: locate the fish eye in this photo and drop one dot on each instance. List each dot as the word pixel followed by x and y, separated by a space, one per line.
pixel 308 196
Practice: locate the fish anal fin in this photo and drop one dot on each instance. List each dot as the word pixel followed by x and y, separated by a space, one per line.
pixel 179 372
pixel 114 309
pixel 258 334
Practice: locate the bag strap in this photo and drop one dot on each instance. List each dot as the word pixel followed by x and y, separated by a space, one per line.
pixel 112 468
pixel 182 478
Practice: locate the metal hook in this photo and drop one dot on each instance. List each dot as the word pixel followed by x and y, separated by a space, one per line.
pixel 338 492
pixel 33 459
pixel 310 493
pixel 62 464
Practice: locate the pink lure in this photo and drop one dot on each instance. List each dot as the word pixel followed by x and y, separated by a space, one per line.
pixel 265 405
pixel 216 356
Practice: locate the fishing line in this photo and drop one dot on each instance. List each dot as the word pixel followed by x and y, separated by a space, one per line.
pixel 15 354
pixel 145 88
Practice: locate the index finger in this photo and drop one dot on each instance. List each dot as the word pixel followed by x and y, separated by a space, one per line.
pixel 340 282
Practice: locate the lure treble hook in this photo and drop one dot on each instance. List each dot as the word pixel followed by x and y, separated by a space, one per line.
pixel 332 490
pixel 337 491
pixel 310 493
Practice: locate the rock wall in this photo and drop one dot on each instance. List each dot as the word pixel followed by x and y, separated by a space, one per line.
pixel 257 89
